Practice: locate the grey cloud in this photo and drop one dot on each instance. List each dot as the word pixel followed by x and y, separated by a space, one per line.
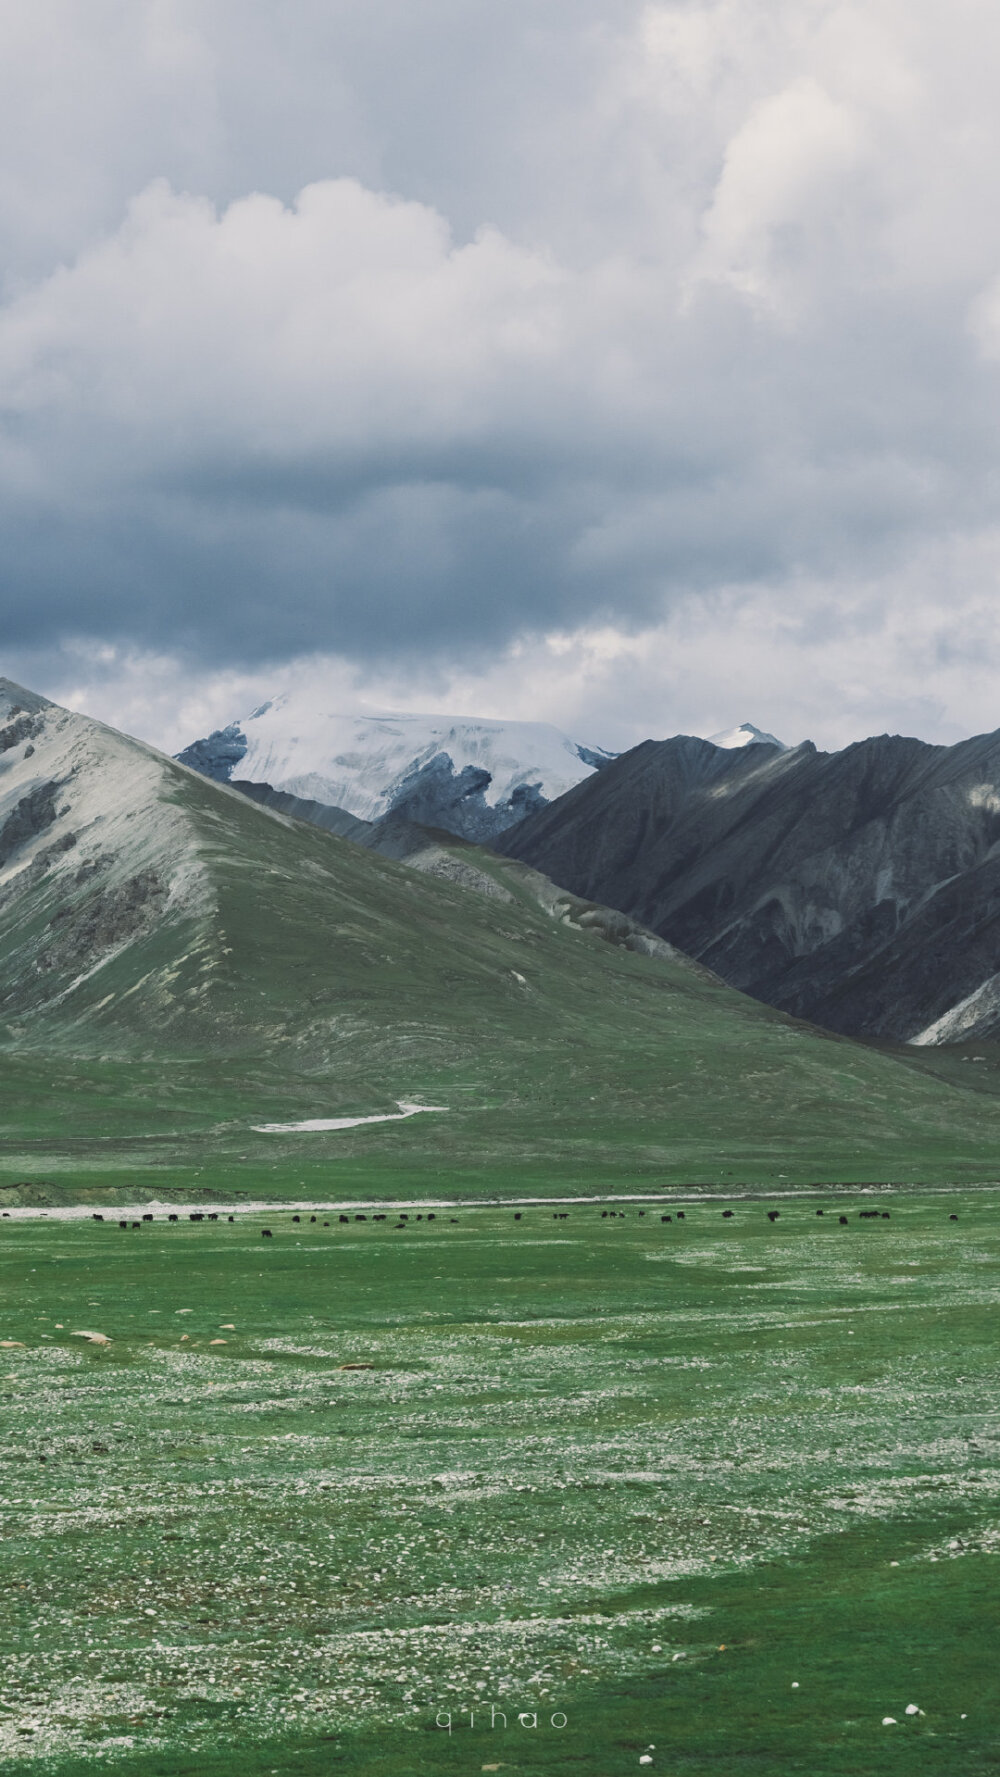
pixel 458 103
pixel 409 330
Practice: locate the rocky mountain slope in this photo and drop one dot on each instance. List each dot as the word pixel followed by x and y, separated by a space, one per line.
pixel 153 920
pixel 858 889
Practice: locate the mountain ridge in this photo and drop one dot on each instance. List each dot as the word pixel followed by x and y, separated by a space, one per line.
pixel 473 776
pixel 858 889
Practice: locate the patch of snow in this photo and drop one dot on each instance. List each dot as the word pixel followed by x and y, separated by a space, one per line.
pixel 962 1021
pixel 746 735
pixel 405 1110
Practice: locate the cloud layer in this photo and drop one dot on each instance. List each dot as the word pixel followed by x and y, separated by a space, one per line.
pixel 437 340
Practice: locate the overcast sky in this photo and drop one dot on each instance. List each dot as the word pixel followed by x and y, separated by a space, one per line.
pixel 634 367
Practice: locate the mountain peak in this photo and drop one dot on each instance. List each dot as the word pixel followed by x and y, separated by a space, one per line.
pixel 473 776
pixel 16 697
pixel 746 735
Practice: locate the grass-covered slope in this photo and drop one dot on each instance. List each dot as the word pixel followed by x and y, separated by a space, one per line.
pixel 179 964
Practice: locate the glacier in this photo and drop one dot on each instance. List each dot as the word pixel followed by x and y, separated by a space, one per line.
pixel 373 763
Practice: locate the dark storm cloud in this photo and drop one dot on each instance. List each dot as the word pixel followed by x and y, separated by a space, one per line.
pixel 410 330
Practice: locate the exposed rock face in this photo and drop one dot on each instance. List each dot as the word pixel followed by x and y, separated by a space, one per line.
pixel 594 756
pixel 110 917
pixel 23 727
pixel 437 795
pixel 858 889
pixel 29 817
pixel 218 755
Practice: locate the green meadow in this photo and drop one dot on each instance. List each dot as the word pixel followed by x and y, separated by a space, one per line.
pixel 718 1493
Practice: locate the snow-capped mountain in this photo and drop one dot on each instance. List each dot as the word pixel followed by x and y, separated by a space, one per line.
pixel 746 735
pixel 472 776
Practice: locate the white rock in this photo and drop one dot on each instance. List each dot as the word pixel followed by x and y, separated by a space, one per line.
pixel 889 1721
pixel 645 1759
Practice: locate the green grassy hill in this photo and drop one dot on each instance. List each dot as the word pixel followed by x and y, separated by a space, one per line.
pixel 179 964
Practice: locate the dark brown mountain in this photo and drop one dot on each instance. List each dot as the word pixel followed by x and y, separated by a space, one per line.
pixel 859 889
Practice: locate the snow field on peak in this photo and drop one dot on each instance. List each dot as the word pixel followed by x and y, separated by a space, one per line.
pixel 359 761
pixel 746 735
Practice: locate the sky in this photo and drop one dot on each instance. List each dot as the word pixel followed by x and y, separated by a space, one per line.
pixel 634 367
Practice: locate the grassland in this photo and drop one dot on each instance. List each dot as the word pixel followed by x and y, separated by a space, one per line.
pixel 724 1097
pixel 729 1489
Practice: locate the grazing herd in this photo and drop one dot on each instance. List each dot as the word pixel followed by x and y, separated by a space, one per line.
pixel 561 1215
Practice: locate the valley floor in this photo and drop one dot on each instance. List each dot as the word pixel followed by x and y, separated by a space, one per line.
pixel 719 1492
